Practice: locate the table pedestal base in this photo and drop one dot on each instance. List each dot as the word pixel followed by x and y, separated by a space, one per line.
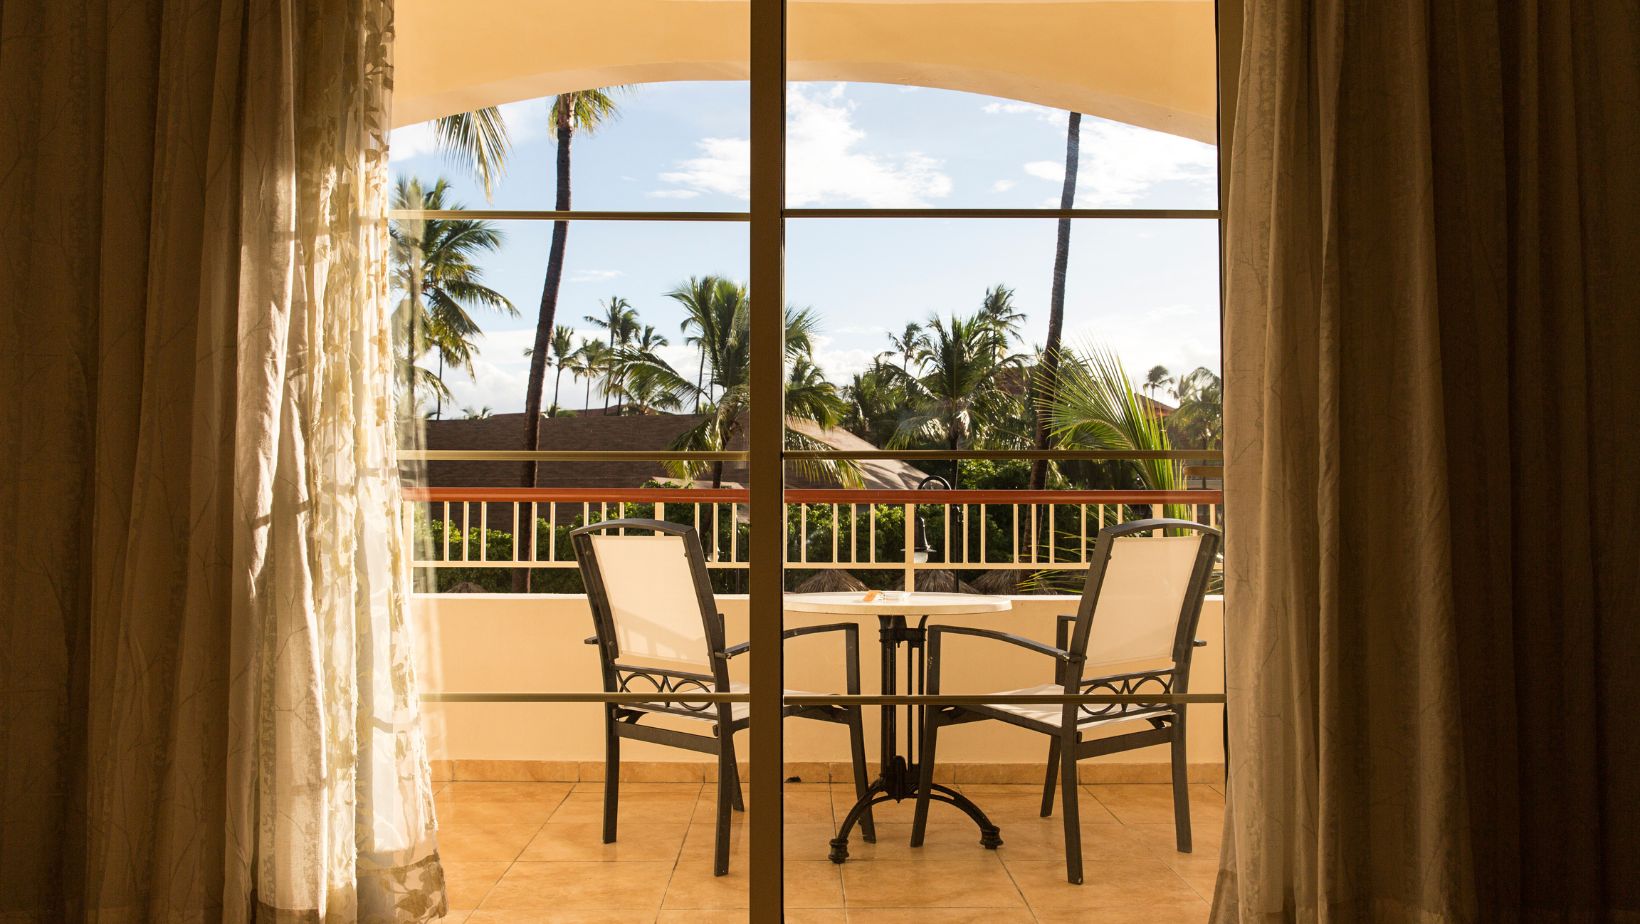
pixel 896 784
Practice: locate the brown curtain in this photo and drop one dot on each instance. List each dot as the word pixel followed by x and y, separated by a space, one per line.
pixel 207 708
pixel 1432 364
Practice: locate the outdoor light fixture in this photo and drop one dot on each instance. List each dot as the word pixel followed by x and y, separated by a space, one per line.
pixel 922 547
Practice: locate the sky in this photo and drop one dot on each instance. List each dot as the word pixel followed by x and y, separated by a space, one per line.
pixel 1145 288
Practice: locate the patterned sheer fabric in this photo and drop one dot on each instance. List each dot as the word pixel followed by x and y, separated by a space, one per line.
pixel 209 706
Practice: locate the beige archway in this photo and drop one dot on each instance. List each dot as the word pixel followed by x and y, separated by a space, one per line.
pixel 1150 63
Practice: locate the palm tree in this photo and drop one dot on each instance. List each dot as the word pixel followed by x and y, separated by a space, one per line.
pixel 1200 417
pixel 435 266
pixel 997 307
pixel 563 346
pixel 1156 379
pixel 722 311
pixel 590 359
pixel 1044 381
pixel 907 344
pixel 620 322
pixel 480 413
pixel 1095 406
pixel 477 139
pixel 710 304
pixel 959 393
pixel 582 110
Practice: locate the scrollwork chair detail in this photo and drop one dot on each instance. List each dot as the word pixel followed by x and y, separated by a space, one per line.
pixel 1155 574
pixel 658 630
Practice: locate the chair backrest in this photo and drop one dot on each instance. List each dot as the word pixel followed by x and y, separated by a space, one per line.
pixel 1144 593
pixel 650 595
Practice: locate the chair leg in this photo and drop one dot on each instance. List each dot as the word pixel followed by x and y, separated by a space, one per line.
pixel 1073 821
pixel 1181 786
pixel 612 775
pixel 728 784
pixel 740 803
pixel 1052 777
pixel 857 749
pixel 925 777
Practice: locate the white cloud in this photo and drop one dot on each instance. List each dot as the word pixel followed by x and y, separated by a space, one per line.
pixel 673 193
pixel 1002 185
pixel 1120 162
pixel 594 275
pixel 1010 107
pixel 823 163
pixel 412 141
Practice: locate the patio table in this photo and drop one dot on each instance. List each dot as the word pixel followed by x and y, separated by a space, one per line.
pixel 897 779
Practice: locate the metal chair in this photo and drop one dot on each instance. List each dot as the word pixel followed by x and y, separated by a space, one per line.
pixel 1153 574
pixel 658 628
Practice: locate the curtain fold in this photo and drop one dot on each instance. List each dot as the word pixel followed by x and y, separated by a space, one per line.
pixel 1432 335
pixel 208 708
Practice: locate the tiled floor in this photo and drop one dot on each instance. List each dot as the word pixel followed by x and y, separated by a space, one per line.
pixel 533 852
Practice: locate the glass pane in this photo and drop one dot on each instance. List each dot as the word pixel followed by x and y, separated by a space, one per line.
pixel 1139 294
pixel 659 88
pixel 924 105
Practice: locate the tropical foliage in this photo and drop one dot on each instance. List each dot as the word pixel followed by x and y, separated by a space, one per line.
pixel 437 273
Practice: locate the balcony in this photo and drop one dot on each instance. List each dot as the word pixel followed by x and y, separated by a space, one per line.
pixel 519 783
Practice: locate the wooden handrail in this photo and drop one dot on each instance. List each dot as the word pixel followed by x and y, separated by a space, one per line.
pixel 839 496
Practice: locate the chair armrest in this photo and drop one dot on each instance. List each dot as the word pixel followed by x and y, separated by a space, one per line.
pixel 851 648
pixel 590 640
pixel 1058 654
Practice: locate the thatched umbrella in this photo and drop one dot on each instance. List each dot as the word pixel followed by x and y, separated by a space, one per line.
pixel 1000 582
pixel 944 582
pixel 830 582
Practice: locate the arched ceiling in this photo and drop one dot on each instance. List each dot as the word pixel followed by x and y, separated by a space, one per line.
pixel 1146 62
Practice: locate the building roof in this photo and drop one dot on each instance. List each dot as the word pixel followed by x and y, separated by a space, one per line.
pixel 634 433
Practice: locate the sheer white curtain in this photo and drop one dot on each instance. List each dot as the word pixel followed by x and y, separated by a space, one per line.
pixel 210 706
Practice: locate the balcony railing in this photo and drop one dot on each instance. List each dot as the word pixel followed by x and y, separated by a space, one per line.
pixel 826 529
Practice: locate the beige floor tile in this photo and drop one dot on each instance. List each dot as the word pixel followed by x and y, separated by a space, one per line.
pixel 1148 913
pixel 801 842
pixel 466 884
pixel 942 843
pixel 809 884
pixel 977 883
pixel 560 888
pixel 1163 842
pixel 1005 809
pixel 802 807
pixel 686 789
pixel 942 916
pixel 793 916
pixel 1202 873
pixel 1106 884
pixel 585 841
pixel 460 843
pixel 1152 803
pixel 636 808
pixel 497 813
pixel 1045 840
pixel 1009 789
pixel 464 791
pixel 564 916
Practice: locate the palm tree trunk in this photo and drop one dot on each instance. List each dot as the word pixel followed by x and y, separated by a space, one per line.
pixel 545 320
pixel 438 398
pixel 1042 383
pixel 549 302
pixel 700 377
pixel 557 382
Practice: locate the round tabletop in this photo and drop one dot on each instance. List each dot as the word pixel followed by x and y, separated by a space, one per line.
pixel 896 603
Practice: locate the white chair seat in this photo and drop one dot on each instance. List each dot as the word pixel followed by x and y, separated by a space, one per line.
pixel 737 710
pixel 1051 713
